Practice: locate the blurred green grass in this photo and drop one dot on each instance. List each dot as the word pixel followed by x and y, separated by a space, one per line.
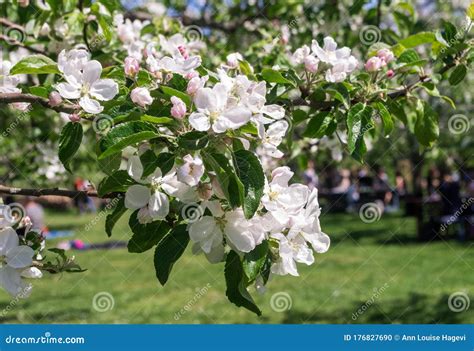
pixel 404 281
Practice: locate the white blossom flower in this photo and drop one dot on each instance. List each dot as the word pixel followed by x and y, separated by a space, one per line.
pixel 206 233
pixel 191 171
pixel 141 96
pixel 214 112
pixel 83 82
pixel 292 249
pixel 14 259
pixel 242 234
pixel 278 195
pixel 153 195
pixel 273 137
pixel 341 60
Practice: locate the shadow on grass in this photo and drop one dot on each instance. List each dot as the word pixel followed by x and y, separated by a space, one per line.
pixel 415 309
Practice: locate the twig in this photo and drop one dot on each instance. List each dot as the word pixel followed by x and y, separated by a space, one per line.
pixel 53 192
pixel 9 98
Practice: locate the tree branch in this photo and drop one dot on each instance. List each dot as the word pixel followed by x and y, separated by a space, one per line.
pixel 12 41
pixel 9 98
pixel 54 192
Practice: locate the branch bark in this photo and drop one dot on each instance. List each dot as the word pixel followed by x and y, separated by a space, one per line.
pixel 8 98
pixel 54 192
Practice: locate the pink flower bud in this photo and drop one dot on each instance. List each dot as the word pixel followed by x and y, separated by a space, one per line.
pixel 390 73
pixel 132 66
pixel 24 3
pixel 373 64
pixel 179 108
pixel 55 99
pixel 195 84
pixel 191 75
pixel 74 117
pixel 311 63
pixel 141 97
pixel 385 55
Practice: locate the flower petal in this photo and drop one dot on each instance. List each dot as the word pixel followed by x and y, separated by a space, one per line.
pixel 91 73
pixel 90 105
pixel 137 196
pixel 68 91
pixel 10 280
pixel 8 240
pixel 20 256
pixel 199 121
pixel 104 89
pixel 159 205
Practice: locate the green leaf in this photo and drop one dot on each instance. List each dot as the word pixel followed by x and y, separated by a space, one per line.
pixel 236 282
pixel 386 117
pixel 118 181
pixel 317 125
pixel 124 135
pixel 409 56
pixel 39 91
pixel 457 75
pixel 69 142
pixel 156 120
pixel 150 162
pixel 358 122
pixel 426 126
pixel 254 261
pixel 250 172
pixel 194 140
pixel 418 39
pixel 169 250
pixel 145 236
pixel 273 76
pixel 115 215
pixel 35 64
pixel 173 92
pixel 231 185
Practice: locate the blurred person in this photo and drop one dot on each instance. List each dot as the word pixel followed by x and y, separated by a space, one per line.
pixel 35 211
pixel 309 175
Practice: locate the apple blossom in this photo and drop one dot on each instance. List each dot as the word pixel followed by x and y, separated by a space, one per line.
pixel 179 107
pixel 195 84
pixel 131 66
pixel 55 99
pixel 214 111
pixel 83 81
pixel 233 59
pixel 341 60
pixel 191 171
pixel 141 96
pixel 386 56
pixel 373 64
pixel 14 258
